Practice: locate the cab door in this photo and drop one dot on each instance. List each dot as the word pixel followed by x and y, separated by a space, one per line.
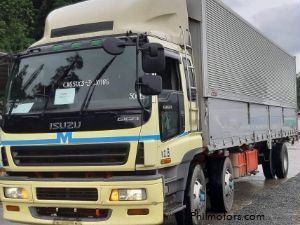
pixel 172 114
pixel 171 104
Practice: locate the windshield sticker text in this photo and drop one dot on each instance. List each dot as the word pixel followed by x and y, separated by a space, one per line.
pixel 88 83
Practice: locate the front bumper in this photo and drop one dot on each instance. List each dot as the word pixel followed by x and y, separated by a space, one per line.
pixel 118 210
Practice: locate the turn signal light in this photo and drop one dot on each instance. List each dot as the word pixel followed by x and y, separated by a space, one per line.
pixel 137 212
pixel 114 196
pixel 13 208
pixel 166 161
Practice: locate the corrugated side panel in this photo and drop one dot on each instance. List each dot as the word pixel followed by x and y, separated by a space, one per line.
pixel 244 65
pixel 234 123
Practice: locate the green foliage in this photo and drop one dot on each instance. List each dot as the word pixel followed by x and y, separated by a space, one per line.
pixel 16 19
pixel 22 21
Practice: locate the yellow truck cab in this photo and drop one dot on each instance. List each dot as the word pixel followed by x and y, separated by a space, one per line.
pixel 115 116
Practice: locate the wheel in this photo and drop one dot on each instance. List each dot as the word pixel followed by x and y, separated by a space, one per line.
pixel 221 185
pixel 268 164
pixel 195 198
pixel 281 160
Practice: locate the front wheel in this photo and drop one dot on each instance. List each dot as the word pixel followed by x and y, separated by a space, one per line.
pixel 195 198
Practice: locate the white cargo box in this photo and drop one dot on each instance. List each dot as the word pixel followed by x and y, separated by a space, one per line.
pixel 246 83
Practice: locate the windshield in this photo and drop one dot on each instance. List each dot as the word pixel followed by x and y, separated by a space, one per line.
pixel 61 82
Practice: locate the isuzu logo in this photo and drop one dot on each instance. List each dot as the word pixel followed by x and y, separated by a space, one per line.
pixel 71 125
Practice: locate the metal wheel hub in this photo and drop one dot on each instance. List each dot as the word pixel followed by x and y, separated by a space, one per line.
pixel 229 184
pixel 199 196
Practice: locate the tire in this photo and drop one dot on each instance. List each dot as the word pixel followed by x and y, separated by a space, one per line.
pixel 281 160
pixel 268 165
pixel 195 198
pixel 221 185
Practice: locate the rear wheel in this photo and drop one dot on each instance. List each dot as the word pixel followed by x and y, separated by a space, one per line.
pixel 195 198
pixel 281 160
pixel 221 184
pixel 268 164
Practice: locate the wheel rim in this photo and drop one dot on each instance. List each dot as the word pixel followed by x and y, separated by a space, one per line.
pixel 199 196
pixel 229 184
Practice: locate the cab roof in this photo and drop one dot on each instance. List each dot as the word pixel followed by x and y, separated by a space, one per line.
pixel 95 18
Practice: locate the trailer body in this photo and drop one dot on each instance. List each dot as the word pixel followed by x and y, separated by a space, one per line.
pixel 76 128
pixel 246 83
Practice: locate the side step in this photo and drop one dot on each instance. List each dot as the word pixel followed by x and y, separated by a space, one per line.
pixel 176 208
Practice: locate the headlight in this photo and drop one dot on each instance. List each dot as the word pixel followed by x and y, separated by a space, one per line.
pixel 128 195
pixel 15 193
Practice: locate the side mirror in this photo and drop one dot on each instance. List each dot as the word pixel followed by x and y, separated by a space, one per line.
pixel 151 85
pixel 114 46
pixel 153 58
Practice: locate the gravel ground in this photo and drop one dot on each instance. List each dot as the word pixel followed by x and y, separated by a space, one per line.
pixel 279 205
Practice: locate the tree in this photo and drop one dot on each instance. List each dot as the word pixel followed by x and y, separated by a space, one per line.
pixel 16 20
pixel 22 21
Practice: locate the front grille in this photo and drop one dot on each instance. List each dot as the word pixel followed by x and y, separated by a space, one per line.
pixel 71 155
pixel 70 213
pixel 69 194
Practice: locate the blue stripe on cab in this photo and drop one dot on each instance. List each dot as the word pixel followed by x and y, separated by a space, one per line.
pixel 63 138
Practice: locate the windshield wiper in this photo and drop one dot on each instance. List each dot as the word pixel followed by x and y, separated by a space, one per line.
pixel 32 78
pixel 91 89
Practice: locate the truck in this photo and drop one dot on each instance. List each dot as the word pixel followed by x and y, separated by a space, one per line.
pixel 127 112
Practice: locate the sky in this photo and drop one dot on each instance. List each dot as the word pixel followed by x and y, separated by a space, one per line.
pixel 279 20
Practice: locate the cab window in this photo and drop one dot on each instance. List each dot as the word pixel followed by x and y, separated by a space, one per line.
pixel 171 107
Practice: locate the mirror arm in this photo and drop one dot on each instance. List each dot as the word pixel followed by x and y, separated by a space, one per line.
pixel 138 84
